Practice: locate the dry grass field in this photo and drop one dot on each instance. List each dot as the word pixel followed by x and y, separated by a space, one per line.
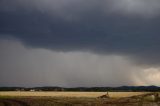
pixel 69 94
pixel 74 99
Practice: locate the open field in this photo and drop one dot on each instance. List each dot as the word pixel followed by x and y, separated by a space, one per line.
pixel 74 99
pixel 70 94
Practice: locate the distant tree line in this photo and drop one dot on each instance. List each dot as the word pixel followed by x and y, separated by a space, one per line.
pixel 87 89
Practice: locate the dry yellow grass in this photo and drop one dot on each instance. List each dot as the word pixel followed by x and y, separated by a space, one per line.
pixel 70 94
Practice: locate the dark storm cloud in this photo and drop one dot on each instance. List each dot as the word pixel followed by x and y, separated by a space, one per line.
pixel 127 27
pixel 79 42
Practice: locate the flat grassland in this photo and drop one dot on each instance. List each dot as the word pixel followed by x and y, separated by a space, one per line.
pixel 69 94
pixel 72 99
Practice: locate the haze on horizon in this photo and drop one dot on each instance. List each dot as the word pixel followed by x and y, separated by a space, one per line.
pixel 73 43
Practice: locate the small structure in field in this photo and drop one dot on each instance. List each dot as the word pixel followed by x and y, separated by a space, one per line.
pixel 104 96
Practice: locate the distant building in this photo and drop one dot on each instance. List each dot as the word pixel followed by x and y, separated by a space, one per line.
pixel 32 90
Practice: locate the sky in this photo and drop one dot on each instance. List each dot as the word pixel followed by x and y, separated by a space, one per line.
pixel 75 43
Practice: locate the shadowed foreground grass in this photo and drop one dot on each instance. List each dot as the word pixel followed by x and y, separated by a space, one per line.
pixel 50 101
pixel 68 101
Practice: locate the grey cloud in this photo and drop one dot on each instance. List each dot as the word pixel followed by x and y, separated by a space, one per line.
pixel 137 7
pixel 79 42
pixel 68 8
pixel 107 26
pixel 23 66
